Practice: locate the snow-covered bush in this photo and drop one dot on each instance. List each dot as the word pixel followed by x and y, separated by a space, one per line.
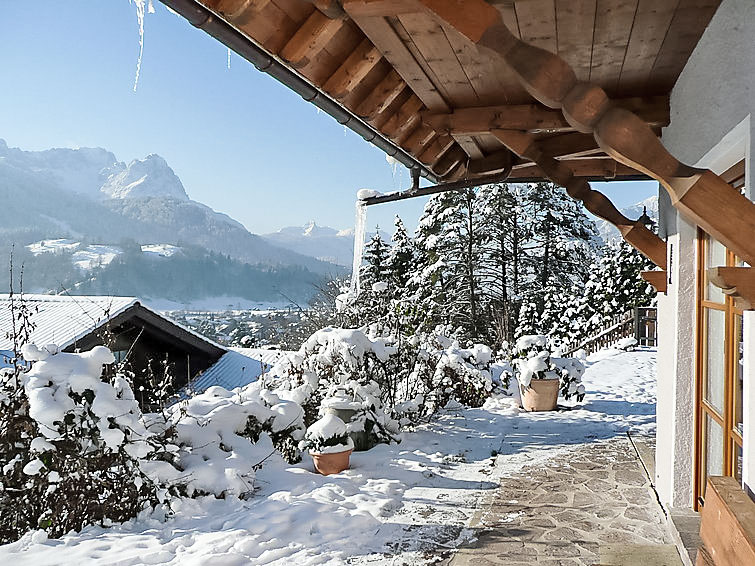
pixel 71 445
pixel 533 359
pixel 327 436
pixel 384 376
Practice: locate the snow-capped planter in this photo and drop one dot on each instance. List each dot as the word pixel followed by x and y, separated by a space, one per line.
pixel 329 445
pixel 541 376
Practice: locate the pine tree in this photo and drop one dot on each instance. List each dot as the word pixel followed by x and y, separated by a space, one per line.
pixel 375 267
pixel 402 257
pixel 505 230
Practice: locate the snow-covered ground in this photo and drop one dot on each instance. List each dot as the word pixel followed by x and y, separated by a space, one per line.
pixel 160 250
pixel 398 504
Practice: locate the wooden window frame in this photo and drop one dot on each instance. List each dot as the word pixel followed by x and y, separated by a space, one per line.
pixel 732 437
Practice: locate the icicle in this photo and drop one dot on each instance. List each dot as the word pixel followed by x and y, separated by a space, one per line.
pixel 229 58
pixel 393 162
pixel 140 7
pixel 359 223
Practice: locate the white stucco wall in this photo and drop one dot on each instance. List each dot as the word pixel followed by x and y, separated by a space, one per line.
pixel 711 105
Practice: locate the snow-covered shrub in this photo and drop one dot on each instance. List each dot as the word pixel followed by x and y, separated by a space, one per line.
pixel 533 359
pixel 225 436
pixel 327 436
pixel 71 445
pixel 384 376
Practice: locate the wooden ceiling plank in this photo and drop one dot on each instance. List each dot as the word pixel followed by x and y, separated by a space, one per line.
pixel 310 39
pixel 534 117
pixel 419 139
pixel 356 66
pixel 492 81
pixel 537 23
pixel 508 13
pixel 651 23
pixel 296 9
pixel 436 149
pixel 382 96
pixel 687 25
pixel 450 160
pixel 469 146
pixel 493 163
pixel 575 21
pixel 382 34
pixel 436 51
pixel 613 27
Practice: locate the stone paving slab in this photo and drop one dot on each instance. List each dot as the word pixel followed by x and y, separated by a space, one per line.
pixel 563 512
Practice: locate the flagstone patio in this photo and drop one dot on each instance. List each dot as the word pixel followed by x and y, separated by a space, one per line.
pixel 573 511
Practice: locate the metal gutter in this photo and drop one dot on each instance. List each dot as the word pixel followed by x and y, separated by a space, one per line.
pixel 203 18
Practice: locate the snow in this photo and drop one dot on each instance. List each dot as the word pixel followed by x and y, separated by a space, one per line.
pixel 160 250
pixel 53 246
pixel 398 504
pixel 327 427
pixel 95 255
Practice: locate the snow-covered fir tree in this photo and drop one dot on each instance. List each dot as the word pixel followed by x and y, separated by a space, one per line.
pixel 402 256
pixel 375 265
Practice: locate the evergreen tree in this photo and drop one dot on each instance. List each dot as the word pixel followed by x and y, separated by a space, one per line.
pixel 402 257
pixel 375 267
pixel 505 232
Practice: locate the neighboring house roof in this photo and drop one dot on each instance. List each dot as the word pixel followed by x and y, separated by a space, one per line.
pixel 238 367
pixel 61 319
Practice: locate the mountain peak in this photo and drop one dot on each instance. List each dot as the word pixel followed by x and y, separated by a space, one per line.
pixel 148 177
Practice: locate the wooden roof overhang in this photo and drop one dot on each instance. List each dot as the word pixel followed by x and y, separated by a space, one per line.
pixel 568 90
pixel 409 82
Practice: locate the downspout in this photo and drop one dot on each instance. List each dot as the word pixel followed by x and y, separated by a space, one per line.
pixel 201 17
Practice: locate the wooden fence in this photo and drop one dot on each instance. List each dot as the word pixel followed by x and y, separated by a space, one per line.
pixel 639 323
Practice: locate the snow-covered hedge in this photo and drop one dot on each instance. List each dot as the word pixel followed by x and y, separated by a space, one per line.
pixel 75 448
pixel 384 378
pixel 71 445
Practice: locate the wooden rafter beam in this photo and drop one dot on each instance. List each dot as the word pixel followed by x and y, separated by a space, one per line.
pixel 382 96
pixel 401 123
pixel 331 8
pixel 351 72
pixel 593 168
pixel 310 39
pixel 700 195
pixel 646 242
pixel 533 117
pixel 658 279
pixel 436 149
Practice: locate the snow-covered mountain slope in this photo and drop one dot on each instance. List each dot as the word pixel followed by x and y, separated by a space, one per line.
pixel 609 233
pixel 143 201
pixel 321 242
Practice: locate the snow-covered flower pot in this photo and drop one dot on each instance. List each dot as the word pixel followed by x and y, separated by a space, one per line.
pixel 541 376
pixel 329 445
pixel 540 395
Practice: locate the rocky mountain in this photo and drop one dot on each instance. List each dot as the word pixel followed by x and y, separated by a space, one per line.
pixel 608 232
pixel 143 201
pixel 82 220
pixel 321 242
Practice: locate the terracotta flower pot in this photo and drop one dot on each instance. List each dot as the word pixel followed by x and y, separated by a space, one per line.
pixel 331 463
pixel 541 395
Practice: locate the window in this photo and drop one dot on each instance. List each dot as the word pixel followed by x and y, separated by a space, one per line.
pixel 719 365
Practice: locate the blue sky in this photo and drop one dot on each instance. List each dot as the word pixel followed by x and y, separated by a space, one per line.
pixel 241 142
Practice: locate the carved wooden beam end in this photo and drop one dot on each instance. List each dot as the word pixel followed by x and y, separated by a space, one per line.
pixel 635 233
pixel 657 279
pixel 699 195
pixel 738 282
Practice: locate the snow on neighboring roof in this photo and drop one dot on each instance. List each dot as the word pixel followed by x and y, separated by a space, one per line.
pixel 61 319
pixel 238 367
pixel 230 371
pixel 269 357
